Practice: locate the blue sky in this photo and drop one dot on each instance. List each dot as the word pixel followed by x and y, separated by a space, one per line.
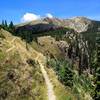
pixel 15 9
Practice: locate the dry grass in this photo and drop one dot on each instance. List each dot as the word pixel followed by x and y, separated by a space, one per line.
pixel 47 45
pixel 18 79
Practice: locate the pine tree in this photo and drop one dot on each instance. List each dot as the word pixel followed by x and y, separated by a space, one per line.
pixel 11 27
pixel 66 74
pixel 3 23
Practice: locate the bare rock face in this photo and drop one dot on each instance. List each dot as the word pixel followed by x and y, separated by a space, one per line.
pixel 79 24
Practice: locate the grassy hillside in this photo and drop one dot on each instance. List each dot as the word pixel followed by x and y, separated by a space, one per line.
pixel 47 45
pixel 20 75
pixel 70 61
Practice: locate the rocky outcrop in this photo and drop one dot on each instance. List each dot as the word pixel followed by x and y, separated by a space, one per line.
pixel 79 24
pixel 76 51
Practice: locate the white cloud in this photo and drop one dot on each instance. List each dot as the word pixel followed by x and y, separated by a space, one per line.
pixel 29 17
pixel 49 15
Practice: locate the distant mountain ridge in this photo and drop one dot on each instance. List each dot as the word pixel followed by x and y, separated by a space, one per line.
pixel 79 24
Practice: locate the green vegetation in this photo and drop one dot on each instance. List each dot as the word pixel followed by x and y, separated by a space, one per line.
pixel 81 85
pixel 10 27
pixel 97 67
pixel 63 70
pixel 29 35
pixel 61 92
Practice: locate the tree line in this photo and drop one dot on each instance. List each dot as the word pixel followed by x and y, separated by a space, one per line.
pixel 9 27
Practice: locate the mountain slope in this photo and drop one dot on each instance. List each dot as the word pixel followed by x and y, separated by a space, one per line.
pixel 19 74
pixel 79 24
pixel 69 54
pixel 22 71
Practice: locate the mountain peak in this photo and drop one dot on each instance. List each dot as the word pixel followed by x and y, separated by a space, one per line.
pixel 79 23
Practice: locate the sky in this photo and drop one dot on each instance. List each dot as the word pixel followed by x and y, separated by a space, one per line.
pixel 26 10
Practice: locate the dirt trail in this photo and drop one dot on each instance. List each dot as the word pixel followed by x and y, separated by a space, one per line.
pixel 41 59
pixel 51 95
